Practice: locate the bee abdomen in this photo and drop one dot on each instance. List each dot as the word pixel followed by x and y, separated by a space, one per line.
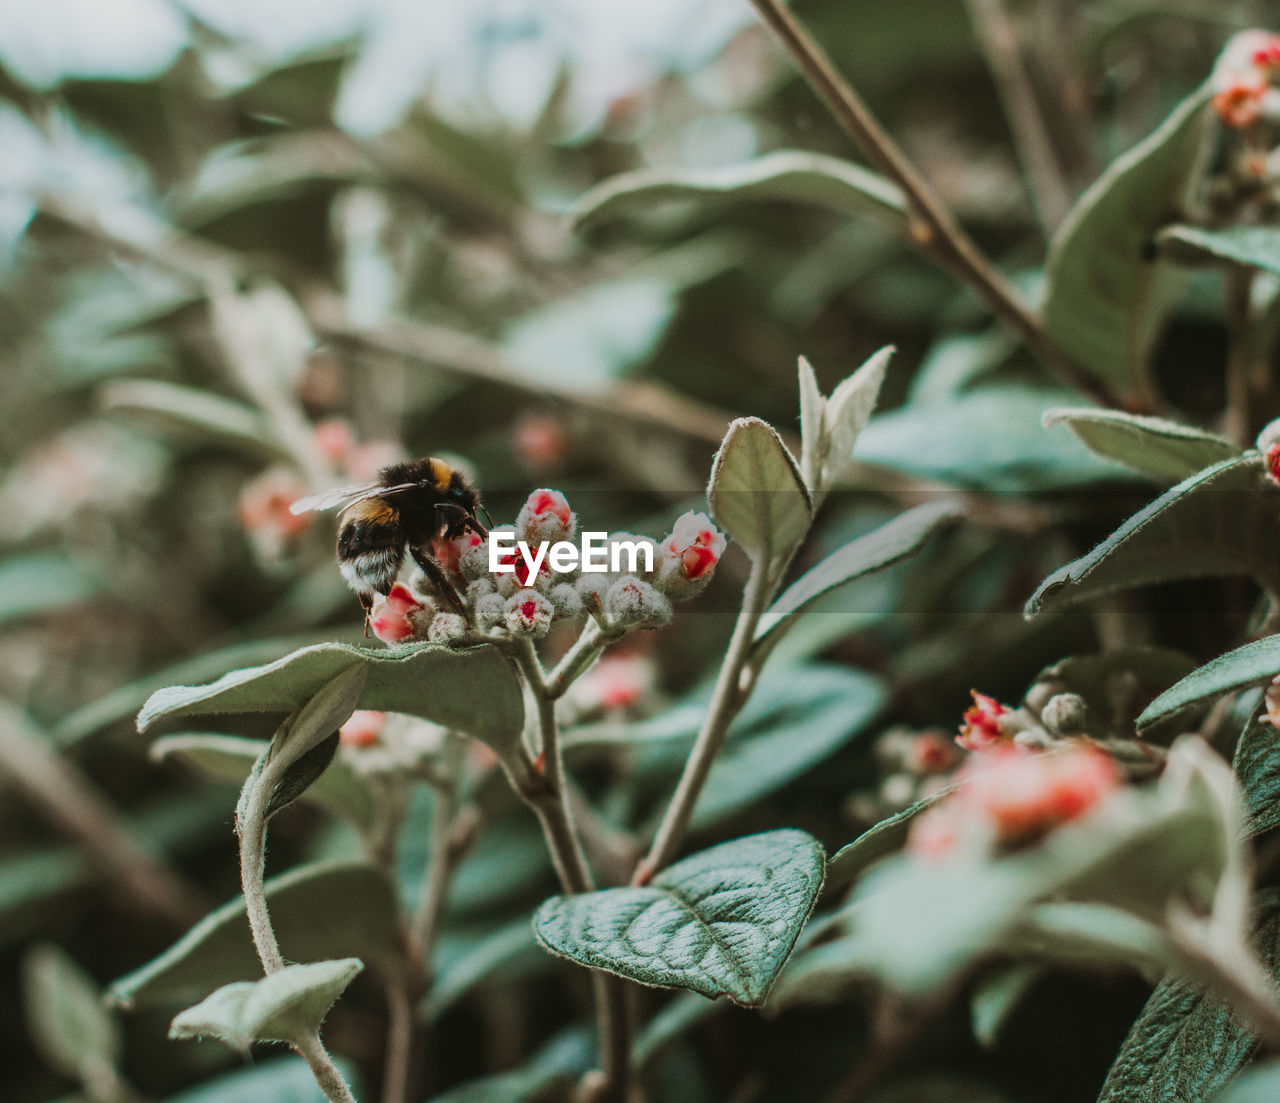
pixel 371 547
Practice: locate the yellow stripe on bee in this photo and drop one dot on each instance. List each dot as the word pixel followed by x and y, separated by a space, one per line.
pixel 441 473
pixel 373 511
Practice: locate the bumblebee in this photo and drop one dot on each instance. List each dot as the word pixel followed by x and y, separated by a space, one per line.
pixel 407 507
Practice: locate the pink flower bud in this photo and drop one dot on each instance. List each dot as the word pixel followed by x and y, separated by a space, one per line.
pixel 565 600
pixel 545 516
pixel 930 753
pixel 528 613
pixel 591 589
pixel 540 442
pixel 446 628
pixel 1272 456
pixel 982 728
pixel 363 729
pixel 334 438
pixel 450 553
pixel 265 500
pixel 1239 104
pixel 630 603
pixel 688 557
pixel 399 616
pixel 615 683
pixel 490 610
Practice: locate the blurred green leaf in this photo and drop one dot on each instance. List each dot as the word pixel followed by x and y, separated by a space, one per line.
pixel 1253 246
pixel 996 997
pixel 1253 664
pixel 756 492
pixel 73 1030
pixel 31 585
pixel 339 789
pixel 281 1007
pixel 497 953
pixel 849 409
pixel 189 412
pixel 597 335
pixel 1187 1044
pixel 721 922
pixel 1165 450
pixel 952 441
pixel 547 1077
pixel 885 838
pixel 280 1080
pixel 1220 521
pixel 1258 1084
pixel 473 689
pixel 787 175
pixel 813 430
pixel 1105 297
pixel 889 544
pixel 320 912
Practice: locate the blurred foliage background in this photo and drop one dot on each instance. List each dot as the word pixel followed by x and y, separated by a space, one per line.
pixel 248 248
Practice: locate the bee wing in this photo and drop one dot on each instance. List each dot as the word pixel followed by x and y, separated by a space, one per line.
pixel 330 499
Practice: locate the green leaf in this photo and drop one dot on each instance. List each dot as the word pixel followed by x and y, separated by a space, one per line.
pixel 813 432
pixel 41 583
pixel 885 838
pixel 281 1007
pixel 756 492
pixel 320 912
pixel 952 441
pixel 1257 766
pixel 192 413
pixel 1104 299
pixel 1186 1044
pixel 849 409
pixel 72 1029
pixel 280 1080
pixel 721 922
pixel 1252 246
pixel 1218 522
pixel 1253 664
pixel 339 789
pixel 302 773
pixel 1165 450
pixel 889 544
pixel 997 996
pixel 472 689
pixel 787 175
pixel 547 1077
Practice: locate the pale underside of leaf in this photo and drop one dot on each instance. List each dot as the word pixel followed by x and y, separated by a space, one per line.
pixel 1162 449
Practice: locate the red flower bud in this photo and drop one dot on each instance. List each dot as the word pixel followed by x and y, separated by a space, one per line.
pixel 528 613
pixel 690 555
pixel 981 728
pixel 1272 456
pixel 540 442
pixel 398 616
pixel 1239 104
pixel 545 516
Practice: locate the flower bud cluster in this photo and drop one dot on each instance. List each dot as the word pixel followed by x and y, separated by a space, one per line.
pixel 525 600
pixel 1245 80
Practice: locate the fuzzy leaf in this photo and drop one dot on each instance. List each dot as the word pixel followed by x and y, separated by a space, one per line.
pixel 1186 1044
pixel 472 689
pixel 1165 450
pixel 1257 766
pixel 1104 297
pixel 1252 246
pixel 756 492
pixel 813 433
pixel 1220 521
pixel 281 1007
pixel 302 773
pixel 339 789
pixel 721 922
pixel 889 544
pixel 1253 664
pixel 952 441
pixel 787 175
pixel 849 409
pixel 71 1027
pixel 320 911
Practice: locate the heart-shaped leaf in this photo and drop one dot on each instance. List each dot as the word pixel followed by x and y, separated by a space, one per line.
pixel 1104 297
pixel 756 491
pixel 787 174
pixel 281 1007
pixel 889 544
pixel 721 922
pixel 321 911
pixel 472 689
pixel 1252 246
pixel 1253 664
pixel 1165 450
pixel 1221 521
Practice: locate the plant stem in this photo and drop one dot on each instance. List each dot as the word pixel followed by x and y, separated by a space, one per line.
pixel 726 699
pixel 544 790
pixel 933 229
pixel 403 1043
pixel 998 38
pixel 442 857
pixel 323 1069
pixel 585 650
pixel 1239 368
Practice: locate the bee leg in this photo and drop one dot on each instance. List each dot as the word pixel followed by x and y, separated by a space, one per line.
pixel 366 603
pixel 439 581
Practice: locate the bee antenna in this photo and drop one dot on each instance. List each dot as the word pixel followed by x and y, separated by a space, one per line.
pixel 487 518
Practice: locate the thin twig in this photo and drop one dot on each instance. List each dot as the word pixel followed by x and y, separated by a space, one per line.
pixel 726 699
pixel 935 232
pixel 403 1043
pixel 1050 193
pixel 1239 424
pixel 69 801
